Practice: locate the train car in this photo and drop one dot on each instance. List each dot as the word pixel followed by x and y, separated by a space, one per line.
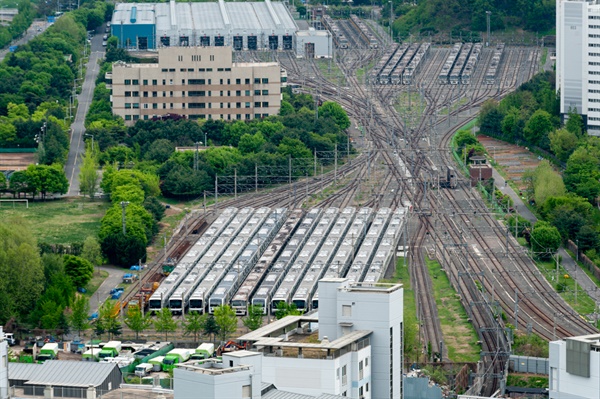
pixel 296 272
pixel 386 250
pixel 469 68
pixel 160 297
pixel 451 178
pixel 288 255
pixel 364 32
pixel 444 76
pixel 339 39
pixel 415 64
pixel 230 283
pixel 386 74
pixel 307 287
pixel 492 70
pixel 396 75
pixel 247 222
pixel 346 250
pixel 369 246
pixel 241 299
pixel 383 61
pixel 461 60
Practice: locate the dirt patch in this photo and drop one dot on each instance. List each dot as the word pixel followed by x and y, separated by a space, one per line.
pixel 16 160
pixel 513 160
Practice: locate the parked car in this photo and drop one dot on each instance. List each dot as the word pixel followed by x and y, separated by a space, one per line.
pixel 104 43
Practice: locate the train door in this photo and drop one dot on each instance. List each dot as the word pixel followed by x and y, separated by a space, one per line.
pixel 184 40
pixel 142 43
pixel 165 41
pixel 273 42
pixel 205 41
pixel 287 42
pixel 238 43
pixel 252 43
pixel 309 50
pixel 219 41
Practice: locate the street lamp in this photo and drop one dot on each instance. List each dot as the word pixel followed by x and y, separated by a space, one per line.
pixel 92 136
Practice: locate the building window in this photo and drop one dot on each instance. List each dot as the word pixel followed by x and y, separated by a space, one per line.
pixel 238 81
pixel 145 82
pixel 164 70
pixel 196 81
pixel 183 94
pixel 145 106
pixel 170 94
pixel 171 106
pixel 347 311
pixel 145 94
pixel 238 105
pixel 181 69
pixel 221 93
pixel 155 106
pixel 265 104
pixel 247 92
pixel 136 117
pixel 136 105
pixel 257 104
pixel 127 82
pixel 247 117
pixel 221 105
pixel 127 117
pixel 154 82
pixel 228 93
pixel 256 81
pixel 219 69
pixel 265 92
pixel 135 82
pixel 247 81
pixel 182 81
pixel 256 116
pixel 170 81
pixel 127 94
pixel 238 117
pixel 127 105
pixel 154 94
pixel 145 117
pixel 238 93
pixel 180 58
pixel 164 82
pixel 344 376
pixel 190 69
pixel 247 105
pixel 257 92
pixel 360 370
pixel 221 82
pixel 265 115
pixel 196 105
pixel 265 80
pixel 164 105
pixel 212 57
pixel 135 94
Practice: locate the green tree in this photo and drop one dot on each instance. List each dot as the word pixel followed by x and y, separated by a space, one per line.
pixel 22 281
pixel 250 143
pixel 563 143
pixel 131 193
pixel 255 317
pixel 538 126
pixel 3 182
pixel 78 318
pixel 545 239
pixel 91 251
pixel 284 309
pixel 226 321
pixel 136 321
pixel 193 324
pixel 108 318
pixel 47 179
pixel 89 177
pixel 588 238
pixel 80 270
pixel 164 322
pixel 546 183
pixel 574 124
pixel 329 109
pixel 210 327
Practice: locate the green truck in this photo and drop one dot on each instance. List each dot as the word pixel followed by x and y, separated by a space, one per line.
pixel 174 357
pixel 204 351
pixel 92 355
pixel 111 349
pixel 156 362
pixel 48 352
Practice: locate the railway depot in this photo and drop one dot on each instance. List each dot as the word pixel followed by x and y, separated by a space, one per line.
pixel 267 256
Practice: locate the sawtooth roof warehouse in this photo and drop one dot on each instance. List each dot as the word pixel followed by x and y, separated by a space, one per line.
pixel 244 26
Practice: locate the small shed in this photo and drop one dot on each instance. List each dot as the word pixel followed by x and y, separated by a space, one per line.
pixel 479 170
pixel 67 378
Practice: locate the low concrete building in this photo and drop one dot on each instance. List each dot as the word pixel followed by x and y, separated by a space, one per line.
pixel 64 378
pixel 575 367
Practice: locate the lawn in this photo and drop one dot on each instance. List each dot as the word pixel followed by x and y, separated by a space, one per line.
pixel 61 221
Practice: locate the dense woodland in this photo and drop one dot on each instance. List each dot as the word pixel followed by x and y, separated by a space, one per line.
pixel 564 188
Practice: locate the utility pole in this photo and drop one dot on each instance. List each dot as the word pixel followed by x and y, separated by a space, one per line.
pixel 123 222
pixel 487 17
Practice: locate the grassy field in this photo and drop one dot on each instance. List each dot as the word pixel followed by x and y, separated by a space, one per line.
pixel 60 221
pixel 459 335
pixel 93 285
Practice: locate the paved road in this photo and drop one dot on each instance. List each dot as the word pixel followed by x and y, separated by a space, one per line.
pixel 115 276
pixel 77 145
pixel 36 28
pixel 567 261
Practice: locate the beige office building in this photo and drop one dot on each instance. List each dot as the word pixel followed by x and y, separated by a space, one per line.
pixel 197 82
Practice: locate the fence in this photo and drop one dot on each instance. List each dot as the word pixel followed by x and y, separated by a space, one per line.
pixel 587 262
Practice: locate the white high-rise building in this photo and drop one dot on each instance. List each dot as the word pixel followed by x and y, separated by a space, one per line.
pixel 3 366
pixel 578 60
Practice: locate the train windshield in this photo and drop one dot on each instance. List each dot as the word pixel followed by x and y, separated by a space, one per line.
pixel 154 304
pixel 175 304
pixel 196 303
pixel 238 303
pixel 300 304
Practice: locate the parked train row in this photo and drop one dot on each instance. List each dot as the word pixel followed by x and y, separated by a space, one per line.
pixel 449 64
pixel 400 64
pixel 364 32
pixel 339 38
pixel 265 257
pixel 492 71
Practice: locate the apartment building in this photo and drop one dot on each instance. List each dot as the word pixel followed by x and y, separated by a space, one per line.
pixel 195 82
pixel 578 60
